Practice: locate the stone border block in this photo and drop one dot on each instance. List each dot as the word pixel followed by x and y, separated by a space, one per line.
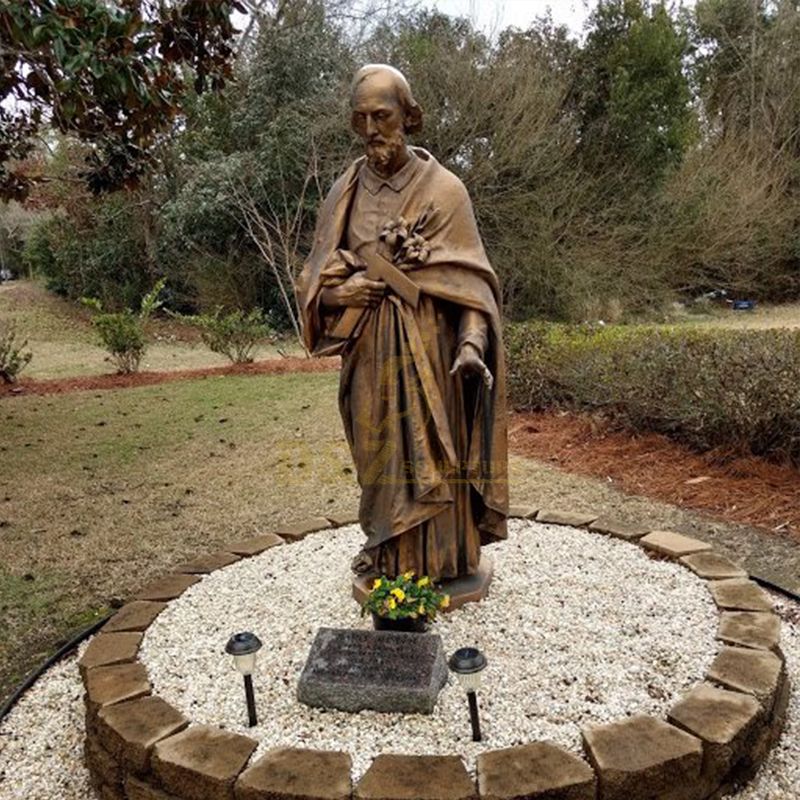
pixel 536 771
pixel 523 512
pixel 116 684
pixel 167 588
pixel 725 721
pixel 130 730
pixel 618 529
pixel 757 672
pixel 210 562
pixel 256 545
pixel 575 519
pixel 643 757
pixel 295 531
pixel 137 615
pixel 400 777
pixel 202 762
pixel 736 594
pixel 289 773
pixel 136 789
pixel 106 649
pixel 672 544
pixel 760 630
pixel 343 519
pixel 712 566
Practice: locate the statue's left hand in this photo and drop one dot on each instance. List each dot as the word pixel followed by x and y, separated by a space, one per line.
pixel 469 362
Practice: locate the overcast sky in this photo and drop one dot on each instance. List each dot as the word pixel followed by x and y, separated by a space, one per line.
pixel 494 15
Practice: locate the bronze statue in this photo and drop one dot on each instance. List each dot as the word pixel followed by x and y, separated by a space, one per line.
pixel 398 282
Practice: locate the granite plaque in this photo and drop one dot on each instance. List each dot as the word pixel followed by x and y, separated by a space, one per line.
pixel 353 670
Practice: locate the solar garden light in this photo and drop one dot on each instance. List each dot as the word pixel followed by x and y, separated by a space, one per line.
pixel 243 647
pixel 468 664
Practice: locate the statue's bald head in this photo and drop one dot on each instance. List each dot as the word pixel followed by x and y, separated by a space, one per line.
pixel 386 81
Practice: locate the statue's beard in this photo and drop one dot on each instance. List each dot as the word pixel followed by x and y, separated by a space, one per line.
pixel 383 152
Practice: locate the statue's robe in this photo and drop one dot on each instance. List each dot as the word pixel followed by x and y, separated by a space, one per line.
pixel 430 449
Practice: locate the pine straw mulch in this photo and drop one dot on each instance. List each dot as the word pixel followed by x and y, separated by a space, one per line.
pixel 273 366
pixel 745 490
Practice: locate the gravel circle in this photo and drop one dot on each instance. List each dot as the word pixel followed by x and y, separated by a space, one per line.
pixel 567 642
pixel 41 741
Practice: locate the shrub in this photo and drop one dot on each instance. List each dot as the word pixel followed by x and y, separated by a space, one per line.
pixel 122 333
pixel 13 356
pixel 234 335
pixel 710 388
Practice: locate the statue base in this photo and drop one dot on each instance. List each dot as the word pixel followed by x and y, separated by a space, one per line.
pixel 466 589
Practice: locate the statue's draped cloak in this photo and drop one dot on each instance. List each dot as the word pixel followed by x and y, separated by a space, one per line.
pixel 430 449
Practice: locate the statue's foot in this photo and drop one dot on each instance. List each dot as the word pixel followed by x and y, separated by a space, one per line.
pixel 362 563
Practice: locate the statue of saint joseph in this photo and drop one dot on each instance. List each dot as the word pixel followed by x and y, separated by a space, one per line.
pixel 398 282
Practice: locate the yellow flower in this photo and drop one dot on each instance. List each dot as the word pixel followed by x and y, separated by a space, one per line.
pixel 446 601
pixel 392 603
pixel 377 585
pixel 423 581
pixel 421 609
pixel 407 576
pixel 399 594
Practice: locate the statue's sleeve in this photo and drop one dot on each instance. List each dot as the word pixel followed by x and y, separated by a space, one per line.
pixel 473 329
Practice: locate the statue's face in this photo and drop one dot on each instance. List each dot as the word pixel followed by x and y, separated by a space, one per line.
pixel 379 119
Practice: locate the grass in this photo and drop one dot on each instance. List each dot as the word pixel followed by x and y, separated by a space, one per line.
pixel 99 492
pixel 63 343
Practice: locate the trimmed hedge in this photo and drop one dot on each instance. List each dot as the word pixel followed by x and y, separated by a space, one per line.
pixel 738 390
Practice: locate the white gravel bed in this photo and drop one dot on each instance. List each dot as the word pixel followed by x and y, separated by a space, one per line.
pixel 41 740
pixel 578 628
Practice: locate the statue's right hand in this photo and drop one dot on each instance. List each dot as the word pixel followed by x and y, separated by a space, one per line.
pixel 358 291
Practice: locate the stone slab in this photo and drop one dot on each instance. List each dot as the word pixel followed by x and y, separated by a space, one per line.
pixel 137 615
pixel 294 531
pixel 523 511
pixel 168 587
pixel 576 519
pixel 353 670
pixel 202 762
pixel 467 589
pixel 757 672
pixel 210 562
pixel 254 545
pixel 618 529
pixel 110 648
pixel 716 716
pixel 130 730
pixel 739 595
pixel 672 544
pixel 760 630
pixel 297 774
pixel 108 685
pixel 643 757
pixel 712 566
pixel 537 771
pixel 343 519
pixel 396 777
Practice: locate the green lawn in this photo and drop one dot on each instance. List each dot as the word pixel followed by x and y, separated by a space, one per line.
pixel 99 491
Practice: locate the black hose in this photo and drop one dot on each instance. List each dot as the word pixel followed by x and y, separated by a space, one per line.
pixel 62 651
pixel 776 587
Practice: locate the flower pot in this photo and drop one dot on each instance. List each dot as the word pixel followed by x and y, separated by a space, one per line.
pixel 403 625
